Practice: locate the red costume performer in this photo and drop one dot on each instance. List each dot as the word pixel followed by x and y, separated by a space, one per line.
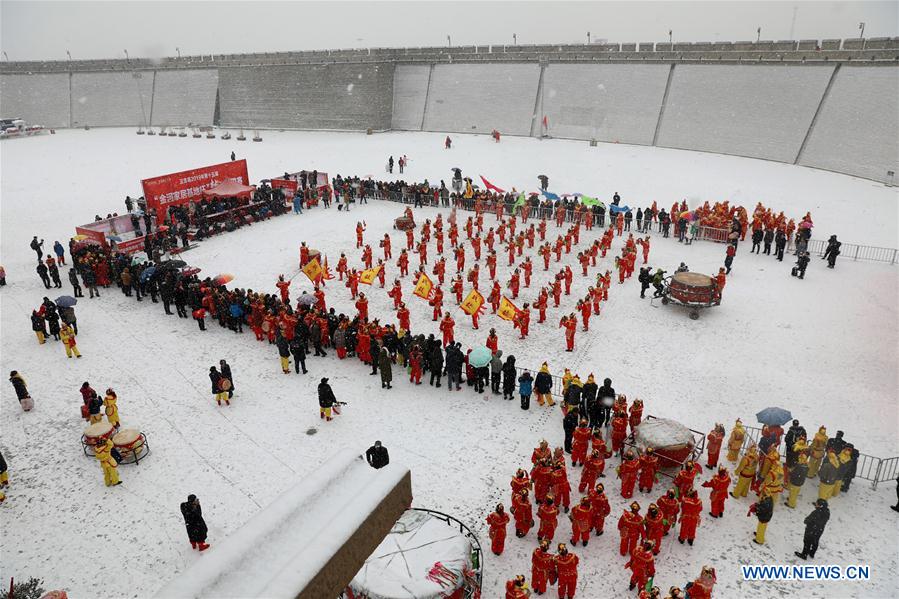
pixel 491 264
pixel 402 315
pixel 446 327
pixel 593 467
pixel 566 569
pixel 527 267
pixel 495 296
pixel 396 293
pixel 403 263
pixel 549 515
pixel 601 509
pixel 523 321
pixel 541 475
pixel 497 522
pixel 359 231
pixel 542 567
pixel 690 508
pixel 492 341
pixel 385 244
pixel 284 288
pixel 649 465
pixel 515 284
pixel 560 484
pixel 540 304
pixel 440 270
pixel 655 527
pixel 685 476
pixel 524 515
pixel 341 267
pixel 580 441
pixel 422 254
pixel 627 472
pixel 586 310
pixel 720 483
pixel 437 302
pixel 569 323
pixel 581 522
pixel 410 239
pixel 670 507
pixel 619 432
pixel 630 526
pixel 715 438
pixel 362 307
pixel 642 565
pixel 460 258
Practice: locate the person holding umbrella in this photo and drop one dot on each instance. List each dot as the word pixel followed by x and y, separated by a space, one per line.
pixel 66 305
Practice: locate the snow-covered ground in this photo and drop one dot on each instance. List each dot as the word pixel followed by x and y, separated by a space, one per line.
pixel 824 347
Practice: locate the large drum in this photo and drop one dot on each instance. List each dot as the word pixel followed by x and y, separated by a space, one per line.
pixel 404 223
pixel 692 288
pixel 131 444
pixel 93 434
pixel 670 440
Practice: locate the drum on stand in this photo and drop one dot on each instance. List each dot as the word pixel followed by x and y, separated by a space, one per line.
pixel 692 288
pixel 93 434
pixel 131 444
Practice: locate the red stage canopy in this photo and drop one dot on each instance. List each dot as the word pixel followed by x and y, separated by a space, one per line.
pixel 229 189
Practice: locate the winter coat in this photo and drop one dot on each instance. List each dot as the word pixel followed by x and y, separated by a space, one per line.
pixel 215 378
pixel 297 349
pixel 606 391
pixel 385 366
pixel 496 363
pixel 73 278
pixel 509 375
pixel 798 474
pixel 570 422
pixel 377 456
pixel 436 360
pixel 816 521
pixel 588 395
pixel 765 509
pixel 37 323
pixel 283 347
pixel 326 397
pixel 793 435
pixel 225 369
pixel 543 383
pixel 20 386
pixel 525 384
pixel 454 360
pixel 573 396
pixel 193 521
pixel 340 338
pixel 828 472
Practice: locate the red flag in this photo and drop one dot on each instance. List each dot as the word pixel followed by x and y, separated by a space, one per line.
pixel 491 186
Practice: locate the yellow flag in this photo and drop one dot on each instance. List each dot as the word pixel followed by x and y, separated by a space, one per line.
pixel 507 310
pixel 473 302
pixel 423 287
pixel 367 276
pixel 313 270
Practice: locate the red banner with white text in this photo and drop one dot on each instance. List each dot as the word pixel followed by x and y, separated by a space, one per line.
pixel 180 188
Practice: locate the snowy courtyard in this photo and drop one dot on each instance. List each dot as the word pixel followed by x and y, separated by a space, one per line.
pixel 824 347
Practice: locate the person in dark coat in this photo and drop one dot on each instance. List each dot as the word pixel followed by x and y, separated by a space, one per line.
pixel 801 265
pixel 764 510
pixel 606 396
pixel 590 401
pixel 18 383
pixel 895 508
pixel 194 523
pixel 768 239
pixel 42 273
pixel 377 456
pixel 757 237
pixel 510 376
pixel 225 369
pixel 454 363
pixel 836 443
pixel 76 286
pixel 794 433
pixel 38 247
pixel 54 274
pixel 385 365
pixel 435 363
pixel 569 423
pixel 645 279
pixel 326 399
pixel 814 528
pixel 53 324
pixel 543 385
pixel 780 244
pixel 832 251
pixel 850 467
pixel 39 326
pixel 283 353
pixel 299 354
